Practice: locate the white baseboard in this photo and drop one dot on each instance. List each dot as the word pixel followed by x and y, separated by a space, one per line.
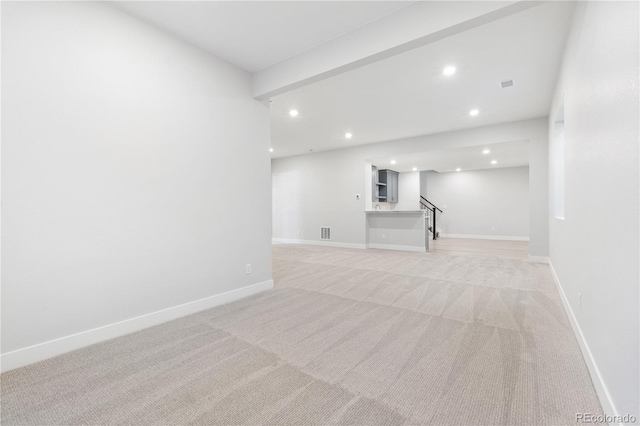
pixel 396 247
pixel 604 396
pixel 346 245
pixel 485 237
pixel 42 351
pixel 538 259
pixel 318 243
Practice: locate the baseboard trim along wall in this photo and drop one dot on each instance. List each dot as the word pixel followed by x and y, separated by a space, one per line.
pixel 538 259
pixel 42 351
pixel 485 237
pixel 346 245
pixel 395 247
pixel 318 243
pixel 606 401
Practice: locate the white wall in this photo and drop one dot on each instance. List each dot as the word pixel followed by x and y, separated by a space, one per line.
pixel 135 172
pixel 310 191
pixel 489 203
pixel 318 190
pixel 594 250
pixel 408 191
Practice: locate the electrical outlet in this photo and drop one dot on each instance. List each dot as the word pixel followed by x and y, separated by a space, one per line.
pixel 248 269
pixel 299 233
pixel 493 229
pixel 384 236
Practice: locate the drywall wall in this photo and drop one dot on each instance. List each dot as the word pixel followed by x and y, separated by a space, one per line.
pixel 408 191
pixel 594 250
pixel 135 172
pixel 319 189
pixel 491 203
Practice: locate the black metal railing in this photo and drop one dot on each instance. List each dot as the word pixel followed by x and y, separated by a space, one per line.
pixel 430 206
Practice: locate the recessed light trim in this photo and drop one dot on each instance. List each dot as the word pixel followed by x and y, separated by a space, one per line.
pixel 348 135
pixel 270 149
pixel 458 169
pixel 474 112
pixel 486 151
pixel 415 169
pixel 450 70
pixel 393 161
pixel 494 161
pixel 293 112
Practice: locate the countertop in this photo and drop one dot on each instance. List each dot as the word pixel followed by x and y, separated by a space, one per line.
pixel 397 211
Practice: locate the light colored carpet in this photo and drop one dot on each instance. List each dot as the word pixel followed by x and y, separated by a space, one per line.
pixel 348 337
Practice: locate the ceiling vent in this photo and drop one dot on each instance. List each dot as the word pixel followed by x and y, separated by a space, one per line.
pixel 506 83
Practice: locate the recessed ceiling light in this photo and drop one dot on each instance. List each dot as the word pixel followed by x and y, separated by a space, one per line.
pixel 458 169
pixel 415 169
pixel 348 135
pixel 270 149
pixel 393 161
pixel 485 151
pixel 494 161
pixel 450 70
pixel 293 112
pixel 474 112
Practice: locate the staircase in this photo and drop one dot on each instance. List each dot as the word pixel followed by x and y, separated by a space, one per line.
pixel 428 205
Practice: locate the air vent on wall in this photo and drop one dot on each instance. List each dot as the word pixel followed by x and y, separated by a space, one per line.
pixel 506 83
pixel 325 233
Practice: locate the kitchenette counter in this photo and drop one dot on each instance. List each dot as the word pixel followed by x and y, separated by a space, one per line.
pixel 397 211
pixel 398 229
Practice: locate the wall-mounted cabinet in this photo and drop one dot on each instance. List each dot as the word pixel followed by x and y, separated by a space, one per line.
pixel 387 186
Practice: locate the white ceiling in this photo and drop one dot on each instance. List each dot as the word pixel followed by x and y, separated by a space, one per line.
pixel 407 95
pixel 256 34
pixel 507 154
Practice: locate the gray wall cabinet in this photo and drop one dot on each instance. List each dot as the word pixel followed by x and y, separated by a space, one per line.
pixel 388 186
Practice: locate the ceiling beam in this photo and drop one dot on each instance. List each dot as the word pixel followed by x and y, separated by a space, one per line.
pixel 416 25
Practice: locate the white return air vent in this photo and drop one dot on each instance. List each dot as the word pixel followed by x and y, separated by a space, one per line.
pixel 506 83
pixel 325 233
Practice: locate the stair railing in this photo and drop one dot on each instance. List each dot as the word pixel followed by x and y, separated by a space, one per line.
pixel 430 206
